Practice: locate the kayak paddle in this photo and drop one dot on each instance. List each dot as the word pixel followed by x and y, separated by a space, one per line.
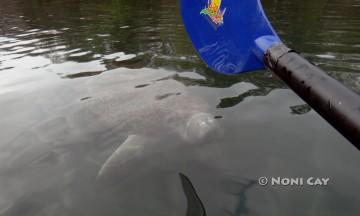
pixel 234 36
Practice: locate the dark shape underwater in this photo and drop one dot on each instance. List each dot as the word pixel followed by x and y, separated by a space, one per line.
pixel 194 205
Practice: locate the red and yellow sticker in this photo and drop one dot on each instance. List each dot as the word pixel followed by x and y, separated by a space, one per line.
pixel 213 10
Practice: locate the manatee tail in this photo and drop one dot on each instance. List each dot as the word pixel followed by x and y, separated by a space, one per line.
pixel 194 205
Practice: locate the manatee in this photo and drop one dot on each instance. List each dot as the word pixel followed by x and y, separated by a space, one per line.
pixel 77 150
pixel 164 106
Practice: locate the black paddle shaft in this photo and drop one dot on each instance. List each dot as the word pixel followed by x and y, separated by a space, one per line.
pixel 333 101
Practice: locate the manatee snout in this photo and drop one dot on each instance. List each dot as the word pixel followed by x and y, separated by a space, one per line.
pixel 200 126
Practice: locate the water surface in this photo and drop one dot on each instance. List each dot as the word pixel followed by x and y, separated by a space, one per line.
pixel 77 77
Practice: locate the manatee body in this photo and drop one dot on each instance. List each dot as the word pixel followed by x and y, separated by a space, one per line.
pixel 112 123
pixel 164 106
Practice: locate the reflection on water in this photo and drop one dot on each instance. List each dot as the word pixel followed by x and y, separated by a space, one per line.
pixel 77 96
pixel 327 32
pixel 83 31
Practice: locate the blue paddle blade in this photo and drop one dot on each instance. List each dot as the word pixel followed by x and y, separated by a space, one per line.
pixel 231 36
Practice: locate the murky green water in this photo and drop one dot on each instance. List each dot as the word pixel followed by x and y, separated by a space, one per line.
pixel 80 77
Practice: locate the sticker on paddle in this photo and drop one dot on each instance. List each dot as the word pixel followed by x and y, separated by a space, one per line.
pixel 213 11
pixel 230 36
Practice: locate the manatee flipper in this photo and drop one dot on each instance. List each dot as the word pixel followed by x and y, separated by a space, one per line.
pixel 129 149
pixel 194 205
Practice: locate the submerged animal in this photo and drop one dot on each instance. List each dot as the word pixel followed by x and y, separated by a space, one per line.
pixel 120 124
